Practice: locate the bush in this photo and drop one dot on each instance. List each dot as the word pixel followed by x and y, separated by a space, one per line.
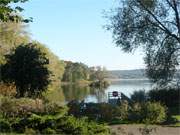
pixel 102 112
pixel 53 122
pixel 49 131
pixel 122 110
pixel 135 113
pixel 139 96
pixel 7 89
pixel 149 113
pixel 169 97
pixel 5 125
pixel 153 113
pixel 71 125
pixel 12 107
pixel 94 111
pixel 30 131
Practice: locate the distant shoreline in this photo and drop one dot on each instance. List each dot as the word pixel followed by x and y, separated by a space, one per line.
pixel 128 79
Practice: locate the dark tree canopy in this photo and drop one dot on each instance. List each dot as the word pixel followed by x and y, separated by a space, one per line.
pixel 11 13
pixel 27 68
pixel 153 25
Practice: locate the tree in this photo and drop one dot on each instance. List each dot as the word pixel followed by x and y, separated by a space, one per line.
pixel 55 66
pixel 11 13
pixel 27 68
pixel 98 73
pixel 75 72
pixel 12 35
pixel 153 25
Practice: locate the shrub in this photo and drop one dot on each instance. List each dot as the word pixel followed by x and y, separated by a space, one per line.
pixel 150 113
pixel 94 111
pixel 139 96
pixel 153 113
pixel 135 113
pixel 169 97
pixel 7 89
pixel 30 131
pixel 12 107
pixel 5 125
pixel 54 123
pixel 122 110
pixel 49 131
pixel 105 112
pixel 71 125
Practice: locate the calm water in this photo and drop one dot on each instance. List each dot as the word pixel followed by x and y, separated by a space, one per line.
pixel 71 92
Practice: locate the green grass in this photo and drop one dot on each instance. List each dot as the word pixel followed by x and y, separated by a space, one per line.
pixel 177 117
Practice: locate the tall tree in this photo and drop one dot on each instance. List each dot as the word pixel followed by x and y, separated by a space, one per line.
pixel 55 66
pixel 27 68
pixel 11 13
pixel 153 25
pixel 12 35
pixel 75 72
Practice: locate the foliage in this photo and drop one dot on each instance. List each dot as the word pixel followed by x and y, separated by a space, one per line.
pixel 75 72
pixel 30 131
pixel 79 72
pixel 168 96
pixel 55 66
pixel 4 125
pixel 49 131
pixel 135 113
pixel 12 107
pixel 7 89
pixel 139 96
pixel 148 112
pixel 102 112
pixel 70 125
pixel 11 35
pixel 152 25
pixel 100 84
pixel 174 120
pixel 54 95
pixel 54 122
pixel 98 73
pixel 153 113
pixel 98 112
pixel 26 67
pixel 122 111
pixel 11 13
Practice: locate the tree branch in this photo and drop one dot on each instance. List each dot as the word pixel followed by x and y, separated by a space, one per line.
pixel 164 28
pixel 177 16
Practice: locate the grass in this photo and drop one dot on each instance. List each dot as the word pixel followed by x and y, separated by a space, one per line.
pixel 177 121
pixel 177 117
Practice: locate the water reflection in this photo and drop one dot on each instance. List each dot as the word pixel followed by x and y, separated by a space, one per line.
pixel 68 93
pixel 75 92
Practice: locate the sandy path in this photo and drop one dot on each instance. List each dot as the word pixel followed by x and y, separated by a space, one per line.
pixel 134 130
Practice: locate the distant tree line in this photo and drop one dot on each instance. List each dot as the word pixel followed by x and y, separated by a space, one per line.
pixel 75 72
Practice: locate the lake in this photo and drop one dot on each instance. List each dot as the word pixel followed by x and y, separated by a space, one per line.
pixel 126 86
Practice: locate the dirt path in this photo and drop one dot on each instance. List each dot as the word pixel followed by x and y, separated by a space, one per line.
pixel 134 130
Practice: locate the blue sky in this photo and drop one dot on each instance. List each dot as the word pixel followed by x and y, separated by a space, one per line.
pixel 73 30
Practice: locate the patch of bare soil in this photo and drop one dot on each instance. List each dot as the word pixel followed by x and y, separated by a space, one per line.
pixel 137 129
